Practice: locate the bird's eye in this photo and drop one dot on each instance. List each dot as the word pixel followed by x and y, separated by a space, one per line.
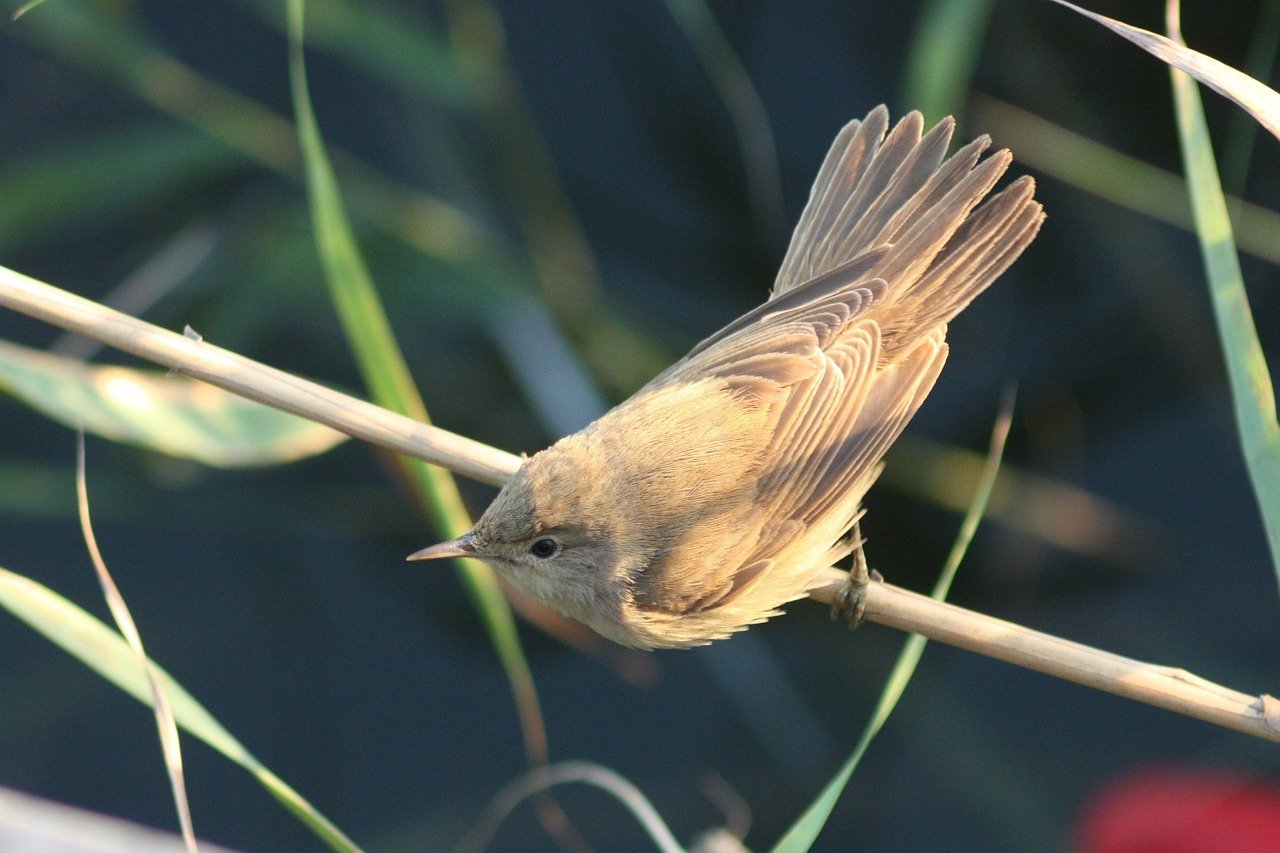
pixel 544 548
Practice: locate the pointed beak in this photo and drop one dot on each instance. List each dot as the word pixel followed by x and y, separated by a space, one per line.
pixel 463 546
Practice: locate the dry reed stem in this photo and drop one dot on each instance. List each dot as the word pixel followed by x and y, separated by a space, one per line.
pixel 1165 687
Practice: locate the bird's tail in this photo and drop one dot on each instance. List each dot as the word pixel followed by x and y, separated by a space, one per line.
pixel 886 205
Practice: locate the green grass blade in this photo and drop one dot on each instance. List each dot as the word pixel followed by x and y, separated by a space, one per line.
pixel 943 55
pixel 1252 394
pixel 166 725
pixel 169 414
pixel 390 44
pixel 805 830
pixel 104 651
pixel 383 367
pixel 1259 100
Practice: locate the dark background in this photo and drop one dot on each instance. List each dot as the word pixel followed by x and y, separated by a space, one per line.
pixel 279 597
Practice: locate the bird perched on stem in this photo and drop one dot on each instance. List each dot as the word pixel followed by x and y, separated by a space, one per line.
pixel 723 488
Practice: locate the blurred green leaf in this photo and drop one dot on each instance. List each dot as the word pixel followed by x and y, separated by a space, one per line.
pixel 33 490
pixel 85 179
pixel 945 48
pixel 25 8
pixel 1116 177
pixel 1259 62
pixel 391 386
pixel 1045 508
pixel 107 40
pixel 106 653
pixel 556 247
pixel 391 45
pixel 1252 394
pixel 171 414
pixel 746 110
pixel 808 826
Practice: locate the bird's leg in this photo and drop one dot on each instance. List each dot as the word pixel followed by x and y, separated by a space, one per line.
pixel 851 601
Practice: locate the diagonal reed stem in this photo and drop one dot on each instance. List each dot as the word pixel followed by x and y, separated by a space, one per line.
pixel 1165 687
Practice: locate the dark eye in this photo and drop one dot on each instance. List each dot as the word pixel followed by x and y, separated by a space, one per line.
pixel 544 548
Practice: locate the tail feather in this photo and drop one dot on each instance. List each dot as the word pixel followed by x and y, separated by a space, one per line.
pixel 881 213
pixel 886 206
pixel 847 162
pixel 986 244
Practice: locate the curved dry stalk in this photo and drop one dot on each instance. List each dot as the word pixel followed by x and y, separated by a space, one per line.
pixel 1164 687
pixel 166 725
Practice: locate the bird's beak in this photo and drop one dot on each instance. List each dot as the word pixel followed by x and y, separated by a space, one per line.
pixel 463 546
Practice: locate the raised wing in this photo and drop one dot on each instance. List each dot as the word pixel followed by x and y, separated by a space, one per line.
pixel 832 414
pixel 893 243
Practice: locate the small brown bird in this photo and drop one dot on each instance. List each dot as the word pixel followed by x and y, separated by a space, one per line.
pixel 723 488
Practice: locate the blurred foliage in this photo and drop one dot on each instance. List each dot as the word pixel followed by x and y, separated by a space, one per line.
pixel 382 365
pixel 802 834
pixel 615 162
pixel 945 51
pixel 1252 394
pixel 107 653
pixel 166 413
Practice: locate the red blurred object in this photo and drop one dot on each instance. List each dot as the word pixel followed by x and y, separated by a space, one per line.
pixel 1176 810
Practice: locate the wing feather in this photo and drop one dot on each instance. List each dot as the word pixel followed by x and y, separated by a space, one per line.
pixel 893 243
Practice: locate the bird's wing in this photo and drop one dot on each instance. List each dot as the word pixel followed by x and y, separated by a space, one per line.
pixel 832 414
pixel 823 466
pixel 797 369
pixel 828 442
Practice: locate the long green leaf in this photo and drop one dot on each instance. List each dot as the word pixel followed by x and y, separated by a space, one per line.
pixel 387 42
pixel 166 725
pixel 805 830
pixel 106 653
pixel 746 109
pixel 387 375
pixel 944 53
pixel 1252 394
pixel 171 414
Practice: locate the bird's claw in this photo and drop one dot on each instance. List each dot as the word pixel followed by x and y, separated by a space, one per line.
pixel 851 601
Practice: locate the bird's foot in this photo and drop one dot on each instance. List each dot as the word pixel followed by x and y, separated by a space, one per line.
pixel 851 601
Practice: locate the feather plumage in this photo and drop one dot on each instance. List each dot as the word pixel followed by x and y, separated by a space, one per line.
pixel 723 487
